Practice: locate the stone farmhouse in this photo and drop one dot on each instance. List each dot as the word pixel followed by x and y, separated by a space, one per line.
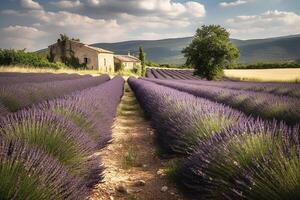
pixel 93 57
pixel 128 61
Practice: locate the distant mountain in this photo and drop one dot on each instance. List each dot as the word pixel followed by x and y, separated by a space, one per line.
pixel 169 50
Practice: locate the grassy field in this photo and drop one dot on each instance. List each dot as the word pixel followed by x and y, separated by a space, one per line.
pixel 46 70
pixel 125 73
pixel 274 75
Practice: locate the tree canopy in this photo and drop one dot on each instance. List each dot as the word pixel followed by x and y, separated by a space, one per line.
pixel 211 51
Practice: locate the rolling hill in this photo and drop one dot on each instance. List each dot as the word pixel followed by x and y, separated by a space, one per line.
pixel 169 50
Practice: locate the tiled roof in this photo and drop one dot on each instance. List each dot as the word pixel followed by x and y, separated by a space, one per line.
pixel 98 49
pixel 127 58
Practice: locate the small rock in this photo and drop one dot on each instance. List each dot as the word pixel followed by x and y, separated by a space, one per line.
pixel 145 166
pixel 172 193
pixel 122 189
pixel 111 191
pixel 136 191
pixel 140 183
pixel 111 198
pixel 161 172
pixel 164 189
pixel 109 148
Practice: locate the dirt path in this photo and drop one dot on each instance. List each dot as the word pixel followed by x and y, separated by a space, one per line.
pixel 133 170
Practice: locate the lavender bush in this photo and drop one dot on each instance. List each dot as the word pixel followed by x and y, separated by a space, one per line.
pixel 93 110
pixel 255 160
pixel 56 136
pixel 259 104
pixel 16 78
pixel 234 157
pixel 149 73
pixel 180 119
pixel 186 76
pixel 28 173
pixel 67 130
pixel 281 89
pixel 15 97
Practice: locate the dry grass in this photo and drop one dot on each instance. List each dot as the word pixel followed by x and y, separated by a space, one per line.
pixel 274 75
pixel 47 70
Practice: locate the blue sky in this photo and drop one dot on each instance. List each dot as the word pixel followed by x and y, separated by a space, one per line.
pixel 34 24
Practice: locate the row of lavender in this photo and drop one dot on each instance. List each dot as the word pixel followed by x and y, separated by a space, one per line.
pixel 260 104
pixel 284 89
pixel 17 96
pixel 48 150
pixel 171 74
pixel 224 154
pixel 8 78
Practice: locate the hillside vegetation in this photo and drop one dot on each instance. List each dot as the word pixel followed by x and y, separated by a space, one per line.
pixel 252 51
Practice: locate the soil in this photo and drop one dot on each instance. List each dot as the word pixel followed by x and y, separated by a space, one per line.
pixel 133 171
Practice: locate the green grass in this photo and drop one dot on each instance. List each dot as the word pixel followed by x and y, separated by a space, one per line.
pixel 172 170
pixel 10 102
pixel 79 119
pixel 48 137
pixel 275 175
pixel 130 153
pixel 206 127
pixel 15 178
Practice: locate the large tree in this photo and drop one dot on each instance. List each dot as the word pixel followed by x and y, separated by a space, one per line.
pixel 142 59
pixel 211 51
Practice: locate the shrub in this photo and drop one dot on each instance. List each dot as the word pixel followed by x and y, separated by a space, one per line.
pixel 255 160
pixel 55 136
pixel 17 96
pixel 181 120
pixel 20 57
pixel 28 173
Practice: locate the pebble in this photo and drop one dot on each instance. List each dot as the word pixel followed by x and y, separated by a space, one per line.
pixel 164 189
pixel 122 189
pixel 140 183
pixel 111 198
pixel 161 172
pixel 136 191
pixel 151 133
pixel 145 165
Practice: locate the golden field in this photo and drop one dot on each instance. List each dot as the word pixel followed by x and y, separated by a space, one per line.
pixel 273 75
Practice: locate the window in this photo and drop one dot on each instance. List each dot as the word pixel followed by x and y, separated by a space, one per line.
pixel 86 60
pixel 104 61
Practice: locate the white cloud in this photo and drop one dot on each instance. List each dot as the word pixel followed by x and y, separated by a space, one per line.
pixel 67 4
pixel 94 2
pixel 233 4
pixel 110 20
pixel 164 8
pixel 20 37
pixel 51 24
pixel 30 4
pixel 195 9
pixel 267 24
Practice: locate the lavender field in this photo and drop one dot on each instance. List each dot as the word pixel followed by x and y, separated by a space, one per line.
pixel 60 134
pixel 48 143
pixel 231 140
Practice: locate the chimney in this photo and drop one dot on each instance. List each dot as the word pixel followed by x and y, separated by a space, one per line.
pixel 128 53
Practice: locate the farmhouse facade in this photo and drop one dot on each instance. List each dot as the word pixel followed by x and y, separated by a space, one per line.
pixel 128 61
pixel 93 57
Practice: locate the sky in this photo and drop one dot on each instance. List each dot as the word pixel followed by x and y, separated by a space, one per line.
pixel 34 24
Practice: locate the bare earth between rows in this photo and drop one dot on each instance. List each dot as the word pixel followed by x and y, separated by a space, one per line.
pixel 133 170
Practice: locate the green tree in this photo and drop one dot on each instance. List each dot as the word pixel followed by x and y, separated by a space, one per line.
pixel 211 51
pixel 142 59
